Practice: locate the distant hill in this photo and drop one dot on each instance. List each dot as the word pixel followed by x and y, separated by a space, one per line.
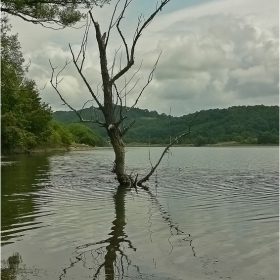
pixel 243 124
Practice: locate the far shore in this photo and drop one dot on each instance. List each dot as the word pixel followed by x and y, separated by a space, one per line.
pixel 84 147
pixel 224 144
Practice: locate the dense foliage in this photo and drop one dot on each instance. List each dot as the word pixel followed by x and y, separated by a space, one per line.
pixel 62 12
pixel 27 122
pixel 242 124
pixel 84 135
pixel 24 117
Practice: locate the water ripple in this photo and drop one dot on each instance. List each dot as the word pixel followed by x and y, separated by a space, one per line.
pixel 204 212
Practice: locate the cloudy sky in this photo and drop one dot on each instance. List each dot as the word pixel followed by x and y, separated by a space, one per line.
pixel 215 54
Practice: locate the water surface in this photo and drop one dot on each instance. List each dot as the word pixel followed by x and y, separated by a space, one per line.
pixel 211 213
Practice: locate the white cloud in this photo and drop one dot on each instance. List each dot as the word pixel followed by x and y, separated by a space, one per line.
pixel 224 61
pixel 217 54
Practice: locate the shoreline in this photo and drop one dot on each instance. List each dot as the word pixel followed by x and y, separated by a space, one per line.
pixel 84 147
pixel 76 147
pixel 204 146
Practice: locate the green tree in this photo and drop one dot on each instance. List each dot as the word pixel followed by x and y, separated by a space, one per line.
pixel 84 135
pixel 60 136
pixel 200 141
pixel 24 118
pixel 267 138
pixel 61 12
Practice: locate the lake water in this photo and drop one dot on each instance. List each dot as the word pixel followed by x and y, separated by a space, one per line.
pixel 211 213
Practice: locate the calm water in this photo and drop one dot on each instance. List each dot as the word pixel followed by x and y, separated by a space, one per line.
pixel 211 213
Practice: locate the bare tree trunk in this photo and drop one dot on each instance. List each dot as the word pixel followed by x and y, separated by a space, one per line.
pixel 108 111
pixel 118 146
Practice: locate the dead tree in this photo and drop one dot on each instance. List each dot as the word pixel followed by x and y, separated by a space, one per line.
pixel 111 96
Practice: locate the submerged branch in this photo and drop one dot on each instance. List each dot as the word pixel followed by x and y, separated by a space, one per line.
pixel 147 177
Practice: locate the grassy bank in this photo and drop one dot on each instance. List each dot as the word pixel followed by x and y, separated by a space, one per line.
pixel 72 147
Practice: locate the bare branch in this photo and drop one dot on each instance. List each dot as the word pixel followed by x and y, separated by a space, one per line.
pixel 127 92
pixel 146 178
pixel 40 89
pixel 138 25
pixel 120 61
pixel 84 44
pixel 128 127
pixel 145 24
pixel 54 82
pixel 150 78
pixel 114 61
pixel 111 25
pixel 123 71
pixel 126 83
pixel 119 30
pixel 54 85
pixel 139 30
pixel 85 80
pixel 85 105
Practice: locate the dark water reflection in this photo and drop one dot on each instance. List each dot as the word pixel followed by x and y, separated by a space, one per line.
pixel 20 177
pixel 108 254
pixel 210 213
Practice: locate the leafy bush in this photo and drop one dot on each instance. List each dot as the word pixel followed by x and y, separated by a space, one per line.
pixel 59 136
pixel 84 135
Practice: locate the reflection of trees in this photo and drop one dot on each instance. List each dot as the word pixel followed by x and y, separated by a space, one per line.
pixel 108 258
pixel 167 218
pixel 10 267
pixel 19 181
pixel 13 267
pixel 118 237
pixel 110 254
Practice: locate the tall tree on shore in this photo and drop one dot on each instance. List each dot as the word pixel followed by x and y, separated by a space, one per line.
pixel 24 118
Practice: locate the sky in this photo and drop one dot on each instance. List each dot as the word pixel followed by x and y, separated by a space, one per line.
pixel 214 54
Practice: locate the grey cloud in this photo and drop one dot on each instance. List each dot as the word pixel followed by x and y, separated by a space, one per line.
pixel 224 61
pixel 208 61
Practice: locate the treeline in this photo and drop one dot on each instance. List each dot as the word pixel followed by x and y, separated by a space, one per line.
pixel 27 122
pixel 243 124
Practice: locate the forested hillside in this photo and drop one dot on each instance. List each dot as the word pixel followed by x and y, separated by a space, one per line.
pixel 244 124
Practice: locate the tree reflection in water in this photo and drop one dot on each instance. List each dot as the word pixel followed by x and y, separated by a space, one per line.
pixel 167 218
pixel 109 253
pixel 10 267
pixel 108 259
pixel 13 268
